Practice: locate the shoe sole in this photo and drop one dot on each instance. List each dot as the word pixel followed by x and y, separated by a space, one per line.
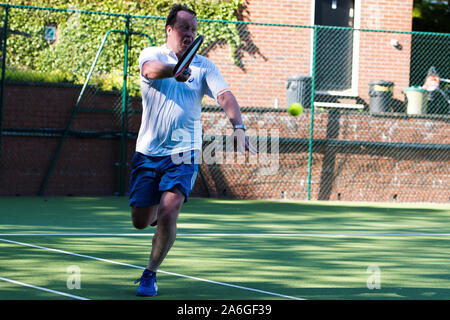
pixel 152 294
pixel 146 295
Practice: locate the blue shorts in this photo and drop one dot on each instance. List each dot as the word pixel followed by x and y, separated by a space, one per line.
pixel 151 176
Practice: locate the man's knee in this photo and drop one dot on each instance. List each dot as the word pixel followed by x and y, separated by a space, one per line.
pixel 170 206
pixel 142 217
pixel 168 217
pixel 140 225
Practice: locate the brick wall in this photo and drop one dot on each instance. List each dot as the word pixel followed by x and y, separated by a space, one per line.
pixel 84 166
pixel 357 156
pixel 377 170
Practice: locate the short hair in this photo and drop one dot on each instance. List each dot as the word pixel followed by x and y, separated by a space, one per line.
pixel 172 17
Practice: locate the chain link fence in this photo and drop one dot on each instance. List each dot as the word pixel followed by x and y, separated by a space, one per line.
pixel 375 125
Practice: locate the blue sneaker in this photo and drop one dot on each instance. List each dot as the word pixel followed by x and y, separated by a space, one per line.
pixel 147 284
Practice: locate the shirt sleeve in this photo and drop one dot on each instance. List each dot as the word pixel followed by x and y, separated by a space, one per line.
pixel 148 54
pixel 216 84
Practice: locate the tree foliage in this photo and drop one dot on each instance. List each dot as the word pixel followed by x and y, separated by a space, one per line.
pixel 80 34
pixel 432 16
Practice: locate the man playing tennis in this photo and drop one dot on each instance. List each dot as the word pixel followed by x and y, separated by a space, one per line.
pixel 165 165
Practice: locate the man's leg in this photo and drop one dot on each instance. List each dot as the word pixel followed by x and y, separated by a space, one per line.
pixel 166 230
pixel 167 214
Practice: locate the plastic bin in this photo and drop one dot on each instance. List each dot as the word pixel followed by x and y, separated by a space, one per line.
pixel 416 100
pixel 380 93
pixel 299 90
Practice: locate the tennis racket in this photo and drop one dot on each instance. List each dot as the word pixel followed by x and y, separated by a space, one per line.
pixel 187 57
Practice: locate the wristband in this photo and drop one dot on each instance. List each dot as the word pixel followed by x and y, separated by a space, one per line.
pixel 240 126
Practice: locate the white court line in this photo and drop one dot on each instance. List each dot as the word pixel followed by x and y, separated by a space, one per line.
pixel 138 267
pixel 43 289
pixel 231 234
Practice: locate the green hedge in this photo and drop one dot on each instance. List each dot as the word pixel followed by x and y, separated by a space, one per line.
pixel 80 35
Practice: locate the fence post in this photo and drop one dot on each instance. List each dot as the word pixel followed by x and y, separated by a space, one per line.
pixel 124 112
pixel 313 93
pixel 3 81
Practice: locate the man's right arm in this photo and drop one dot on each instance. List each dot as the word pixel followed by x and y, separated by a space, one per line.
pixel 157 70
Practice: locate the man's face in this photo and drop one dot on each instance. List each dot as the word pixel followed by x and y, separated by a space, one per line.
pixel 182 33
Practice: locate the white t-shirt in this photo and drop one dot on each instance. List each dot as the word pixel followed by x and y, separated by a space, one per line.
pixel 171 110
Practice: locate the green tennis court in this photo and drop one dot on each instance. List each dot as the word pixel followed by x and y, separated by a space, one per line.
pixel 86 248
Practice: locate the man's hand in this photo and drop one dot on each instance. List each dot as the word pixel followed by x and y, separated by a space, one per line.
pixel 184 76
pixel 243 143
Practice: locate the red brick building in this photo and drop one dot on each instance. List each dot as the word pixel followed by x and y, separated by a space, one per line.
pixel 346 61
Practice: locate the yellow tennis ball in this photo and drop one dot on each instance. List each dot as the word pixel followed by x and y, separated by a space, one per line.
pixel 295 109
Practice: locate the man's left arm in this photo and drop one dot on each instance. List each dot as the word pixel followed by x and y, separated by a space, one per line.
pixel 231 107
